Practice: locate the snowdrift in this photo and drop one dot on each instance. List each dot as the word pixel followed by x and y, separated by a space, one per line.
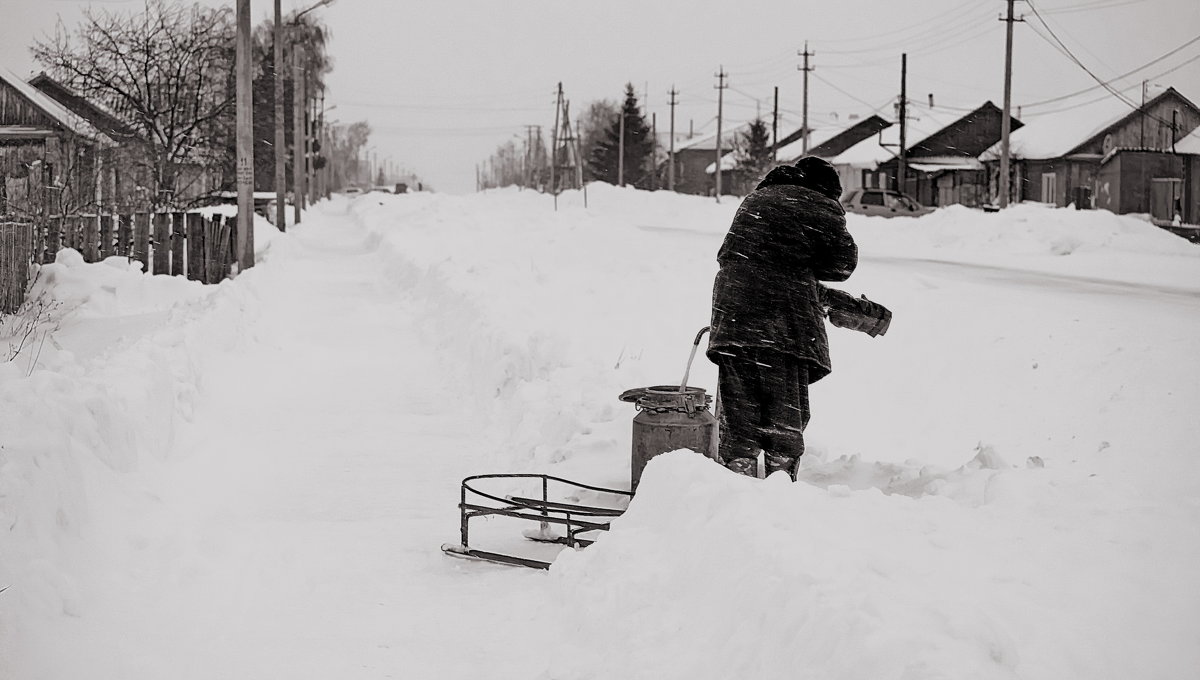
pixel 1002 487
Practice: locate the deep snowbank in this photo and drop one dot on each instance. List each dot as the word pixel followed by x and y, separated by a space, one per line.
pixel 992 490
pixel 88 410
pixel 1003 486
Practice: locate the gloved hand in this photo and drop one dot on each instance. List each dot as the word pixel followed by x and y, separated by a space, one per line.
pixel 857 314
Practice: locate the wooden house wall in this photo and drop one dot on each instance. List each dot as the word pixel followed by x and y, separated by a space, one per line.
pixel 1108 186
pixel 1075 180
pixel 1191 189
pixel 21 170
pixel 15 109
pixel 1156 132
pixel 690 177
pixel 1138 170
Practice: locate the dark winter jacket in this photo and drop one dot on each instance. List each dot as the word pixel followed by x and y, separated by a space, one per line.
pixel 783 240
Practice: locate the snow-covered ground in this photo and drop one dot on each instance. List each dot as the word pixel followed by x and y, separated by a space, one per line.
pixel 252 480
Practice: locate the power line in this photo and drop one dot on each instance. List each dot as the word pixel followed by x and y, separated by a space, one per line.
pixel 1116 78
pixel 927 27
pixel 1114 92
pixel 865 103
pixel 1092 6
pixel 1106 96
pixel 1066 50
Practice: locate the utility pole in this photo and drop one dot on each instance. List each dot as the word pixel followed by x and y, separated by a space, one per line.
pixel 1006 118
pixel 775 128
pixel 903 163
pixel 245 140
pixel 579 157
pixel 721 85
pixel 671 154
pixel 804 121
pixel 654 151
pixel 1142 111
pixel 298 133
pixel 621 149
pixel 527 175
pixel 554 146
pixel 280 139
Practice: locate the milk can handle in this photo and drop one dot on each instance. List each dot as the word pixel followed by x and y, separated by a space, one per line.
pixel 633 395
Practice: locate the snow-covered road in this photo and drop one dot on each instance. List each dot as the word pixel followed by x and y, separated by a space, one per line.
pixel 1002 487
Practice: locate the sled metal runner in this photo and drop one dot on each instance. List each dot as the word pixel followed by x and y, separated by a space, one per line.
pixel 573 518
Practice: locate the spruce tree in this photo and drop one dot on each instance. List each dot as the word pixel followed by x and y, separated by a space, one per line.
pixel 755 158
pixel 603 160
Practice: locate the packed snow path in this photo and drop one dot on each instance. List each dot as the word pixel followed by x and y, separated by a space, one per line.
pixel 319 478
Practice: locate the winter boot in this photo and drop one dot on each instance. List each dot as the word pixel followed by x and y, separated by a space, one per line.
pixel 774 463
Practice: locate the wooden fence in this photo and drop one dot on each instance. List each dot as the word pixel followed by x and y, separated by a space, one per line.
pixel 16 242
pixel 173 243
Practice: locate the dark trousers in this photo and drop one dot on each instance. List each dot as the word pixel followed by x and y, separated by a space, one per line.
pixel 764 405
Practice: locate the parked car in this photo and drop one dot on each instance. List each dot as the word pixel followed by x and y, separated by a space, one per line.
pixel 351 191
pixel 882 203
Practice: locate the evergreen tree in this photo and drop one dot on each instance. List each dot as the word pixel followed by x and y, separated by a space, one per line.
pixel 603 160
pixel 755 156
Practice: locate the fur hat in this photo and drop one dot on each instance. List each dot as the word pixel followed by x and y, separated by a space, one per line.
pixel 817 174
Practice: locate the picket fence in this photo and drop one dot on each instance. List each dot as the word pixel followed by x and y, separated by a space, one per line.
pixel 190 244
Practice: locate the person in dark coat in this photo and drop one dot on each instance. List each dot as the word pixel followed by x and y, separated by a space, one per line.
pixel 768 314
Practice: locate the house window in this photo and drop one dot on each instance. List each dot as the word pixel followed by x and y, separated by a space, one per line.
pixel 1049 187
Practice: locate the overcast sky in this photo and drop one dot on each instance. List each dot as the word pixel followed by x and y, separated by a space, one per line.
pixel 444 82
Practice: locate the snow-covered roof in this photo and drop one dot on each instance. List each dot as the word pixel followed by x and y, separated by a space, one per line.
pixel 1053 135
pixel 1190 144
pixel 940 164
pixel 922 123
pixel 708 142
pixel 817 137
pixel 56 111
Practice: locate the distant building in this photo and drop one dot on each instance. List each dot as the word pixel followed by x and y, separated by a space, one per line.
pixel 197 176
pixel 943 168
pixel 693 157
pixel 52 161
pixel 1107 155
pixel 864 164
pixel 825 139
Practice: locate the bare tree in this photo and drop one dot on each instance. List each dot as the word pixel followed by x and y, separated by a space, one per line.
pixel 167 72
pixel 346 142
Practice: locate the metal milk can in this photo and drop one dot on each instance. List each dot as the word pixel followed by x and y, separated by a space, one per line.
pixel 669 417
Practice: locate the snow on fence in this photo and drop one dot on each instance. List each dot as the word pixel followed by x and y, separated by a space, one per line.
pixel 187 244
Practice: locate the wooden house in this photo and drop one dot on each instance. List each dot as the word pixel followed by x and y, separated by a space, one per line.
pixel 1189 150
pixel 122 186
pixel 825 139
pixel 692 159
pixel 197 177
pixel 1107 155
pixel 832 139
pixel 865 163
pixel 943 167
pixel 51 159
